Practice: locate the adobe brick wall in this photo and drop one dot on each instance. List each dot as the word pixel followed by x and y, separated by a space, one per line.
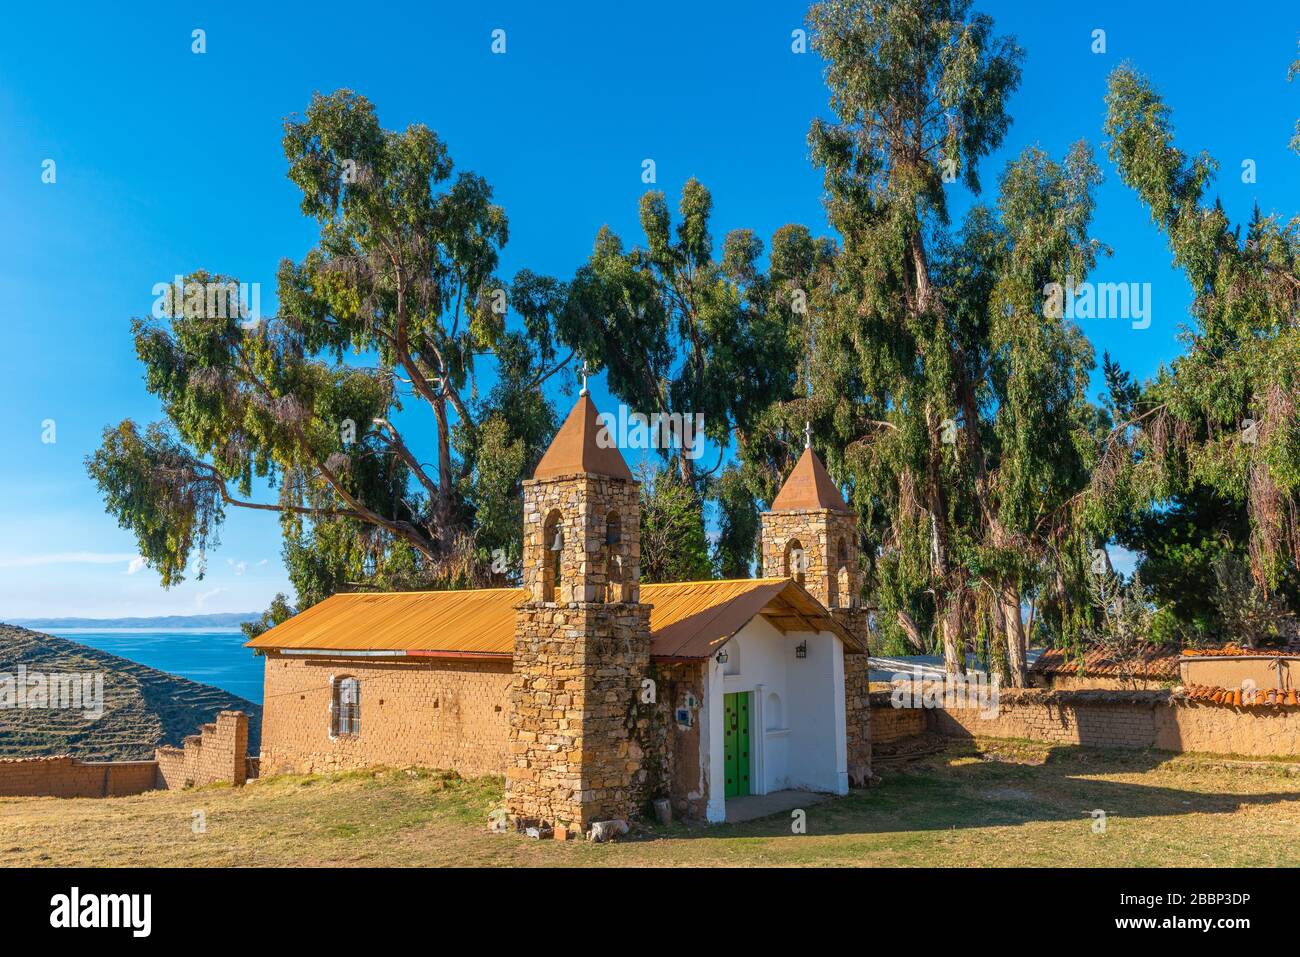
pixel 1120 719
pixel 890 724
pixel 68 777
pixel 671 765
pixel 217 754
pixel 1100 719
pixel 1220 729
pixel 1233 671
pixel 449 713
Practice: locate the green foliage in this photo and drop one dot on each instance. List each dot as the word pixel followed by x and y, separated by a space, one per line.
pixel 405 271
pixel 1180 542
pixel 736 551
pixel 677 330
pixel 1250 615
pixel 161 493
pixel 279 612
pixel 674 547
pixel 1222 420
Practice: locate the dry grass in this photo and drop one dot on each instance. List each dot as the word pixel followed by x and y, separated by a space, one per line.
pixel 1003 804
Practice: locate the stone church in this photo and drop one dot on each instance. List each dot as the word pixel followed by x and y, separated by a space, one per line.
pixel 592 693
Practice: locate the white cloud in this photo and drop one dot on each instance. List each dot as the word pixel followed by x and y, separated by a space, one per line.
pixel 239 567
pixel 137 563
pixel 203 596
pixel 69 558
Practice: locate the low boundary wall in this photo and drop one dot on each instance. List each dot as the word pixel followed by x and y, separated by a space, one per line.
pixel 1166 720
pixel 68 777
pixel 218 753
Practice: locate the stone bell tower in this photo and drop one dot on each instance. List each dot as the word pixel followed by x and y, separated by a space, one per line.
pixel 811 535
pixel 582 636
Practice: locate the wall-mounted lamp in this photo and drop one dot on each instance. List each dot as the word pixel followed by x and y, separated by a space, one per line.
pixel 801 650
pixel 722 657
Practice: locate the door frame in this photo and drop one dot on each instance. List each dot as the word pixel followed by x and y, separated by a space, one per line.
pixel 744 786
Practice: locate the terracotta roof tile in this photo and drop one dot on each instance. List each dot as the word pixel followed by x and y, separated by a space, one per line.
pixel 1238 698
pixel 1236 651
pixel 1097 663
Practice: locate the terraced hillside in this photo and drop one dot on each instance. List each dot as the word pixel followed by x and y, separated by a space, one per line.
pixel 143 707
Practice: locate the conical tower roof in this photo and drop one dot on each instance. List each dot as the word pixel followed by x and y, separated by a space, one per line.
pixel 809 487
pixel 576 449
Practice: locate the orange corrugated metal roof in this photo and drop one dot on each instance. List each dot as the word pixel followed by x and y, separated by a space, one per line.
pixel 482 620
pixel 687 620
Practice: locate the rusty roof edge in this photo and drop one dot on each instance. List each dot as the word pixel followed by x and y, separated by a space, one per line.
pixel 760 584
pixel 283 636
pixel 837 629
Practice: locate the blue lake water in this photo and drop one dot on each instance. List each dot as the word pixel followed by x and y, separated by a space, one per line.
pixel 213 656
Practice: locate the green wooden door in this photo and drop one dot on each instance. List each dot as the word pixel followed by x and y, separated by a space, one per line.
pixel 735 746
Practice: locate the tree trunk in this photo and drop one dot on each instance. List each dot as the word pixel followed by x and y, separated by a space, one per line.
pixel 442 507
pixel 952 625
pixel 1017 650
pixel 914 639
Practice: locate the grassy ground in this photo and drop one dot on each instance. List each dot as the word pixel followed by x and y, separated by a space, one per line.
pixel 1003 803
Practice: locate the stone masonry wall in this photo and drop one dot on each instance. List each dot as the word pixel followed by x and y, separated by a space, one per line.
pixel 448 713
pixel 858 718
pixel 592 569
pixel 819 533
pixel 217 754
pixel 574 710
pixel 67 777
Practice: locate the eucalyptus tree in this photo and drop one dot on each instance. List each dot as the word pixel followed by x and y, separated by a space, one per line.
pixel 680 329
pixel 769 442
pixel 397 304
pixel 1222 418
pixel 918 92
pixel 676 329
pixel 1026 379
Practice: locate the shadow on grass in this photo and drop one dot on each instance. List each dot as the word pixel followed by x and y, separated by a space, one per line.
pixel 963 787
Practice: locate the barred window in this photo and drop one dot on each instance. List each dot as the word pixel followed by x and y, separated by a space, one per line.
pixel 347 707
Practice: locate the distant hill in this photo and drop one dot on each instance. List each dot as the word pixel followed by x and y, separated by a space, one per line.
pixel 143 707
pixel 229 619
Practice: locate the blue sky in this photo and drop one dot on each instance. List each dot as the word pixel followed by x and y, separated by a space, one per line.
pixel 168 161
